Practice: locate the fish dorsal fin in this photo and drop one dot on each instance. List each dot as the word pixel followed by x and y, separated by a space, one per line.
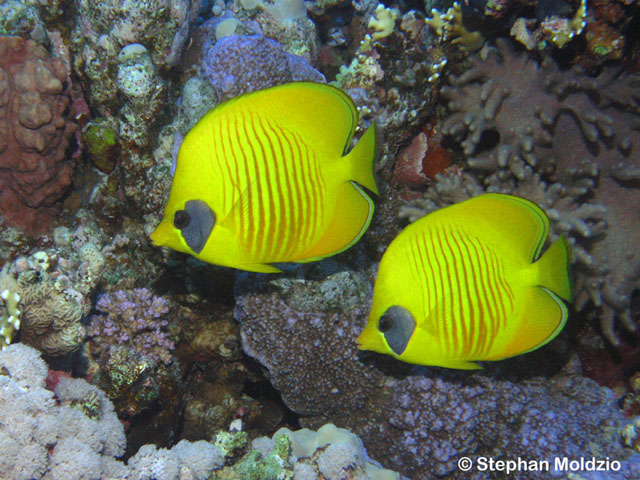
pixel 323 115
pixel 505 219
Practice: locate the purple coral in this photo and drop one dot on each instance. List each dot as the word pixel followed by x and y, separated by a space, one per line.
pixel 422 421
pixel 135 318
pixel 240 64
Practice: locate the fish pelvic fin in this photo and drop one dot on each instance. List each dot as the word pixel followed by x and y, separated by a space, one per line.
pixel 460 365
pixel 554 269
pixel 259 268
pixel 362 157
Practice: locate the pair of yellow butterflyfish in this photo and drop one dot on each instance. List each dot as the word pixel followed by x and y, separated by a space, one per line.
pixel 268 178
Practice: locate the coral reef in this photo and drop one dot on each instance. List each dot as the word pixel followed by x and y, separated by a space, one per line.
pixel 102 30
pixel 543 133
pixel 73 434
pixel 36 127
pixel 144 95
pixel 136 319
pixel 449 26
pixel 241 64
pixel 130 350
pixel 330 453
pixel 21 19
pixel 192 460
pixel 284 21
pixel 388 74
pixel 47 319
pixel 10 313
pixel 421 421
pixel 51 322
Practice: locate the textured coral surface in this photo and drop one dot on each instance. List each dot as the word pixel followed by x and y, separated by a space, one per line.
pixel 35 130
pixel 418 421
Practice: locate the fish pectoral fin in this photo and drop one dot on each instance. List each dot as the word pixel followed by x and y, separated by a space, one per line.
pixel 239 214
pixel 259 268
pixel 351 218
pixel 434 324
pixel 541 317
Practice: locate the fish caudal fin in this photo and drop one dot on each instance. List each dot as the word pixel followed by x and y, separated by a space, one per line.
pixel 351 218
pixel 362 157
pixel 541 317
pixel 553 268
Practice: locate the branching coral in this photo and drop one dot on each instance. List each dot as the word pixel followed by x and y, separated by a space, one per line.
pixel 449 26
pixel 518 121
pixel 135 318
pixel 10 313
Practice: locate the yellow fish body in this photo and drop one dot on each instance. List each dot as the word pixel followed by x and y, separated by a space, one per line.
pixel 462 285
pixel 264 178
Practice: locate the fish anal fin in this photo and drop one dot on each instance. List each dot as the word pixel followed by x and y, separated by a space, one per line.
pixel 259 268
pixel 542 315
pixel 351 217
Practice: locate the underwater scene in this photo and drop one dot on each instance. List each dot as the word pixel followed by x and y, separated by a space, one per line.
pixel 319 240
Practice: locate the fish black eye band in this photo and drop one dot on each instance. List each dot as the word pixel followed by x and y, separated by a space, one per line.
pixel 397 325
pixel 195 223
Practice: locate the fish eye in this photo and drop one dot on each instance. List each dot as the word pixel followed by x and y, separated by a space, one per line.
pixel 385 323
pixel 181 219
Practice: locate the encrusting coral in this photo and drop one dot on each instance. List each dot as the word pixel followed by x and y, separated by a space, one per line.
pixel 240 64
pixel 535 130
pixel 421 421
pixel 36 129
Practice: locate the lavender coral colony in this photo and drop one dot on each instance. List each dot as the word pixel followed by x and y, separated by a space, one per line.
pixel 136 319
pixel 121 360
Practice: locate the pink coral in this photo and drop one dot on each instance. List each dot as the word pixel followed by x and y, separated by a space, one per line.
pixel 35 130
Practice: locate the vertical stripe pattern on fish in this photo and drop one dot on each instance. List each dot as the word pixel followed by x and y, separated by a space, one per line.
pixel 462 285
pixel 264 179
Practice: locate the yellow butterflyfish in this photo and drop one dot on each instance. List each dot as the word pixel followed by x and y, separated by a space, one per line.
pixel 267 178
pixel 465 284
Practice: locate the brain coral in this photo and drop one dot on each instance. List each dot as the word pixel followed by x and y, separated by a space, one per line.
pixel 420 421
pixel 35 129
